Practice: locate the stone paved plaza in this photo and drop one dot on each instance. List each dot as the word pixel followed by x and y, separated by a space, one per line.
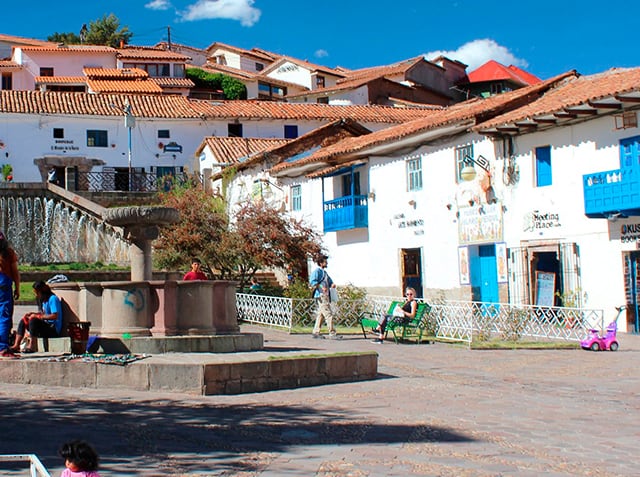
pixel 436 410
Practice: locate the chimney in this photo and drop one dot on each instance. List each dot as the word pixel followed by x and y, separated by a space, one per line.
pixel 121 43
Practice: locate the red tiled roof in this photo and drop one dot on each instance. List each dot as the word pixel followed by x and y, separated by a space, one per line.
pixel 139 53
pixel 579 91
pixel 60 80
pixel 114 73
pixel 9 65
pixel 233 149
pixel 123 86
pixel 56 48
pixel 165 82
pixel 164 106
pixel 228 70
pixel 466 112
pixel 255 52
pixel 304 64
pixel 18 40
pixel 394 69
pixel 494 71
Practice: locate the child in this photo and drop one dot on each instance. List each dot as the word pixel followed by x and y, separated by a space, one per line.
pixel 80 459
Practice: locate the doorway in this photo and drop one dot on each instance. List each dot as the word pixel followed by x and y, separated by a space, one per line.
pixel 412 270
pixel 631 272
pixel 483 272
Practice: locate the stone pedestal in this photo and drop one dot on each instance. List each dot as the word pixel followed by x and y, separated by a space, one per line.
pixel 126 309
pixel 195 307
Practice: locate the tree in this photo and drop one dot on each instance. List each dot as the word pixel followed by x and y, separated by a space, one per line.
pixel 231 87
pixel 66 38
pixel 259 236
pixel 103 31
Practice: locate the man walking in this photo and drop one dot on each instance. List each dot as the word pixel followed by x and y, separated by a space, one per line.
pixel 321 283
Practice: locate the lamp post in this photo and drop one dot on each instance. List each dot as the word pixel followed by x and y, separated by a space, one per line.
pixel 129 123
pixel 468 172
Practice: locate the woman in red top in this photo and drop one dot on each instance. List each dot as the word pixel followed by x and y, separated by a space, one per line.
pixel 9 291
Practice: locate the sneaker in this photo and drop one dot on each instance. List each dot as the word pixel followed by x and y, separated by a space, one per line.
pixel 7 353
pixel 333 336
pixel 317 336
pixel 378 341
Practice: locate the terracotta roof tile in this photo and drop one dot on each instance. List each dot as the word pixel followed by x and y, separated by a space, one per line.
pixel 9 65
pixel 494 71
pixel 386 70
pixel 234 150
pixel 139 53
pixel 124 86
pixel 228 70
pixel 114 73
pixel 573 93
pixel 466 112
pixel 164 106
pixel 255 52
pixel 18 40
pixel 173 82
pixel 60 80
pixel 305 64
pixel 56 48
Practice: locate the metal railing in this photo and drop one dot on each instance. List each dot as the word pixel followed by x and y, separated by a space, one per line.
pixel 113 180
pixel 36 469
pixel 448 320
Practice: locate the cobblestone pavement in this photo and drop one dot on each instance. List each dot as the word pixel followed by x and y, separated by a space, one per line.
pixel 436 410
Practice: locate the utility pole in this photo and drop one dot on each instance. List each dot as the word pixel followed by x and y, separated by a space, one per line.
pixel 169 38
pixel 129 123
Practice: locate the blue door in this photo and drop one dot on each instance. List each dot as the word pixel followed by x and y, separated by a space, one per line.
pixel 484 274
pixel 630 152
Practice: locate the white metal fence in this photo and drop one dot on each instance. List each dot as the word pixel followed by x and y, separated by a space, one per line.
pixel 36 469
pixel 449 320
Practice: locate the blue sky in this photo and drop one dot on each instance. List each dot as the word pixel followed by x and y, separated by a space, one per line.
pixel 544 37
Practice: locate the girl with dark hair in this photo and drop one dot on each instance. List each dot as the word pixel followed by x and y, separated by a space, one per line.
pixel 44 324
pixel 9 291
pixel 80 459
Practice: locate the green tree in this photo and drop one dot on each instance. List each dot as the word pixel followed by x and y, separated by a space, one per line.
pixel 259 236
pixel 107 31
pixel 231 87
pixel 66 38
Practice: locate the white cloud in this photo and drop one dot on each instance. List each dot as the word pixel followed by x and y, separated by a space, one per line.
pixel 477 52
pixel 241 10
pixel 158 5
pixel 321 53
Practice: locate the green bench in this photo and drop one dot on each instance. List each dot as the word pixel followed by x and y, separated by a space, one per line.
pixel 400 330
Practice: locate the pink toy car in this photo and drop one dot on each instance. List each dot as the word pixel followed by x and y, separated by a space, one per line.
pixel 596 342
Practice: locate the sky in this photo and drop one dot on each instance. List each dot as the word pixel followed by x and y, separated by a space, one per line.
pixel 545 37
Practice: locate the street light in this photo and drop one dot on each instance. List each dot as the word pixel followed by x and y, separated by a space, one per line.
pixel 129 123
pixel 468 172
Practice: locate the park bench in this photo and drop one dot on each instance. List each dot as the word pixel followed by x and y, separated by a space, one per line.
pixel 400 329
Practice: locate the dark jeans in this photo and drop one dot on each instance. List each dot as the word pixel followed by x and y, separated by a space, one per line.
pixel 39 328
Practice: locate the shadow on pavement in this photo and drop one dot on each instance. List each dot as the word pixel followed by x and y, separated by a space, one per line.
pixel 139 435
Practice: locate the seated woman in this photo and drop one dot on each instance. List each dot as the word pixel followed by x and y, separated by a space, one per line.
pixel 44 324
pixel 408 311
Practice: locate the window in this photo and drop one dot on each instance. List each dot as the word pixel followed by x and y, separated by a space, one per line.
pixel 46 71
pixel 290 131
pixel 164 134
pixel 630 152
pixel 319 81
pixel 97 138
pixel 7 81
pixel 497 88
pixel 259 66
pixel 323 100
pixel 414 174
pixel 543 166
pixel 461 154
pixel 58 133
pixel 346 184
pixel 296 197
pixel 178 71
pixel 234 130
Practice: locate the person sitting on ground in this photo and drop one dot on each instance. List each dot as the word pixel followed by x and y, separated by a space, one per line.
pixel 195 273
pixel 80 459
pixel 46 323
pixel 401 314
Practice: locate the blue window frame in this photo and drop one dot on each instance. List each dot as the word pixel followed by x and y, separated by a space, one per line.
pixel 543 166
pixel 97 138
pixel 414 174
pixel 461 153
pixel 290 131
pixel 296 197
pixel 630 152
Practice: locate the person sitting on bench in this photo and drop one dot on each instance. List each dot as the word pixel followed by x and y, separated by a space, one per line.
pixel 401 313
pixel 44 324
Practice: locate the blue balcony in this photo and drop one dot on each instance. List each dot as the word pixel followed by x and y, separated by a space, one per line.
pixel 349 212
pixel 615 192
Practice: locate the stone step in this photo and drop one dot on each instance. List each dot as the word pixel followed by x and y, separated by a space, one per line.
pixel 227 343
pixel 194 373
